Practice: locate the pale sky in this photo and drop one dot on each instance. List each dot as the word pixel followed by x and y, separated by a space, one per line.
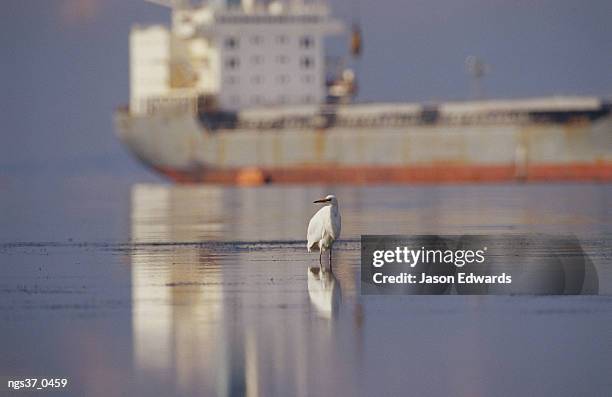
pixel 65 65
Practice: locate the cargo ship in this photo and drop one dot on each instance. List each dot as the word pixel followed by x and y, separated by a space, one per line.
pixel 242 92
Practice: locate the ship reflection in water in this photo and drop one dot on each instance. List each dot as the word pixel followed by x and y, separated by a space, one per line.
pixel 233 319
pixel 227 302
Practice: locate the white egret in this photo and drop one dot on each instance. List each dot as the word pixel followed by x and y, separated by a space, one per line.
pixel 324 228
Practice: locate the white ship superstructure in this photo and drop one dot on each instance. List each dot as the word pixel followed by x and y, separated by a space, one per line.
pixel 237 54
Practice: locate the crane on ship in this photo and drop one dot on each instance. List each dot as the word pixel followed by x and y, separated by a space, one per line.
pixel 342 87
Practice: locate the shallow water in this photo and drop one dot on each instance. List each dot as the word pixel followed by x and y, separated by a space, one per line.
pixel 206 291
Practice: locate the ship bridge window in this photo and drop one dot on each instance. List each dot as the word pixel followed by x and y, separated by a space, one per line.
pixel 256 59
pixel 282 79
pixel 282 59
pixel 306 62
pixel 232 80
pixel 306 41
pixel 231 42
pixel 232 62
pixel 257 79
pixel 282 39
pixel 256 40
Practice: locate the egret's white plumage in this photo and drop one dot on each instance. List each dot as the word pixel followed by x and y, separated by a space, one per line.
pixel 324 227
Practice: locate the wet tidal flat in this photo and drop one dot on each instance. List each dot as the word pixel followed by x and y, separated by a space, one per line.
pixel 210 291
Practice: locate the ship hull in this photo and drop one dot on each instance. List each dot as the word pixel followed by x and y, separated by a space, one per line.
pixel 179 147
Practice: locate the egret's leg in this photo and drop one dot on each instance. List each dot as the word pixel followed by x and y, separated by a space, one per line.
pixel 330 259
pixel 320 262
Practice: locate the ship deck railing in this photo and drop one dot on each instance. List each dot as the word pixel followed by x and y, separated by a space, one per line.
pixel 363 115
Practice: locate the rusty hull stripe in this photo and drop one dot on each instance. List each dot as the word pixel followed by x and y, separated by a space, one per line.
pixel 363 175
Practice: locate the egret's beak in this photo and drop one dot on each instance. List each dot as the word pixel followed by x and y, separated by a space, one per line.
pixel 322 201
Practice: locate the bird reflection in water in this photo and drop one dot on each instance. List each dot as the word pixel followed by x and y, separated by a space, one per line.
pixel 324 292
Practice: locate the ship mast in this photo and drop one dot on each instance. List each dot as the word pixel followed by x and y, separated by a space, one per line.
pixel 477 69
